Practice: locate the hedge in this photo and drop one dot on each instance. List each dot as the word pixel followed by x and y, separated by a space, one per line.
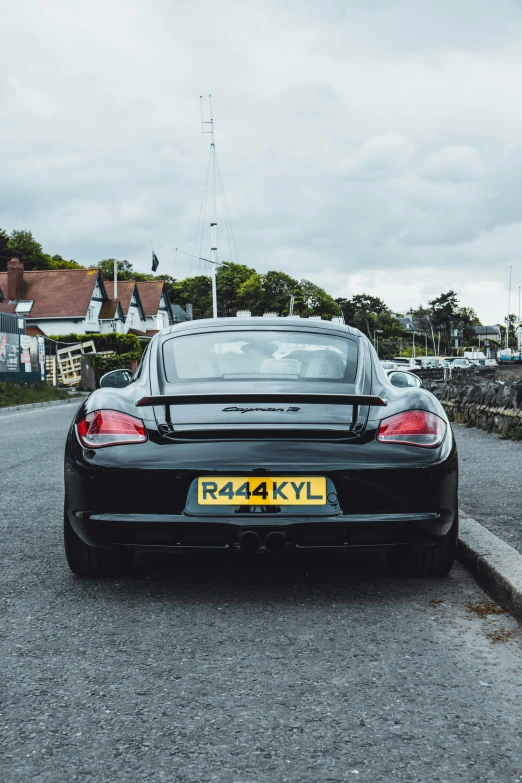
pixel 103 364
pixel 120 343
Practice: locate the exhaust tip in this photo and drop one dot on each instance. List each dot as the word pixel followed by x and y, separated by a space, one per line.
pixel 275 541
pixel 249 541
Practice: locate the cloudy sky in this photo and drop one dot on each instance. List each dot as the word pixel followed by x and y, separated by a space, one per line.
pixel 368 145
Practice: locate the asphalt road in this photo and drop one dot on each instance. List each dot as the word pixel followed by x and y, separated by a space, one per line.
pixel 490 485
pixel 237 671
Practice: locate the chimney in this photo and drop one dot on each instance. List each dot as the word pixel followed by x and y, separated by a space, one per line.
pixel 15 278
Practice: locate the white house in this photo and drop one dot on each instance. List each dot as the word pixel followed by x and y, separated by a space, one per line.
pixel 132 309
pixel 65 301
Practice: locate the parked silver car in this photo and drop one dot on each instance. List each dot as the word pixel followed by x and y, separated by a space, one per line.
pixel 461 364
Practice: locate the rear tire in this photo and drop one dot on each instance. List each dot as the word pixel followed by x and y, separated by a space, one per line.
pixel 429 561
pixel 90 561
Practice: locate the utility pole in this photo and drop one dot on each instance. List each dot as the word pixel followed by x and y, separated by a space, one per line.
pixel 432 336
pixel 115 279
pixel 376 333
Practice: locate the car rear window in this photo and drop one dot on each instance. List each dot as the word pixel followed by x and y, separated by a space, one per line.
pixel 260 355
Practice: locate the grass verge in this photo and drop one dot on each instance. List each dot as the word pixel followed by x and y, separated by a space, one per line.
pixel 26 393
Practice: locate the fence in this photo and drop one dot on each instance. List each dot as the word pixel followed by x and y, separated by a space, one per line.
pixel 12 324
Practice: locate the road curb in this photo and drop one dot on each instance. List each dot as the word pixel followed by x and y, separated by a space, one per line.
pixel 29 406
pixel 496 565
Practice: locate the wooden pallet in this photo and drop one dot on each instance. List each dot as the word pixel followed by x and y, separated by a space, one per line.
pixel 68 363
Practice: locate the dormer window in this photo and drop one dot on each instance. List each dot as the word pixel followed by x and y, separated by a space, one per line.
pixel 24 306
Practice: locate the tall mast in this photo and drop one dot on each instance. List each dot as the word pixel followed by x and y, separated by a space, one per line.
pixel 214 181
pixel 213 222
pixel 509 307
pixel 518 330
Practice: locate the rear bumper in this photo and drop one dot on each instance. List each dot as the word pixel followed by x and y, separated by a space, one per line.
pixel 143 495
pixel 180 532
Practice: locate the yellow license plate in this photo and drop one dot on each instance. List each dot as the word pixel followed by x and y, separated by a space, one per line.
pixel 262 491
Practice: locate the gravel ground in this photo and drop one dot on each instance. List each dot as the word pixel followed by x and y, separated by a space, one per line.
pixel 237 670
pixel 491 482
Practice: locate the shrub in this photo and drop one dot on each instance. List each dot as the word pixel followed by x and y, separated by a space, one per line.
pixel 103 364
pixel 119 343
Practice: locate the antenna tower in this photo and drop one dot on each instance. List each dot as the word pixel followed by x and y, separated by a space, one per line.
pixel 213 189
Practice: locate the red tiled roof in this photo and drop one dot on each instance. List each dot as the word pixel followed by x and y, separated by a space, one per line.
pixel 150 293
pixel 109 309
pixel 57 293
pixel 34 331
pixel 125 291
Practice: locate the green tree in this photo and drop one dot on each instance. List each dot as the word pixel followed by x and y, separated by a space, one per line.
pixel 277 288
pixel 194 290
pixel 390 326
pixel 57 262
pixel 467 319
pixel 106 267
pixel 445 315
pixel 512 338
pixel 23 245
pixel 5 253
pixel 313 300
pixel 363 311
pixel 229 280
pixel 251 294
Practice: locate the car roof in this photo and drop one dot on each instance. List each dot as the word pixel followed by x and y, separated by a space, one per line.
pixel 253 322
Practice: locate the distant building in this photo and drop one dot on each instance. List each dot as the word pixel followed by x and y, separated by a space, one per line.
pixel 65 301
pixel 156 306
pixel 132 308
pixel 488 333
pixel 412 325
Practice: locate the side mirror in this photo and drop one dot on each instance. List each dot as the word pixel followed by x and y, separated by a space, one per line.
pixel 404 380
pixel 116 379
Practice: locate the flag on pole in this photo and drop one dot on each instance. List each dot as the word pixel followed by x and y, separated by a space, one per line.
pixel 155 262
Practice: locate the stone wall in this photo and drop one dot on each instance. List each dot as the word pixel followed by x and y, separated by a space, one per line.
pixel 470 398
pixel 457 373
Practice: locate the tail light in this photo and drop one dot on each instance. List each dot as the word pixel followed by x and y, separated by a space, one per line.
pixel 110 428
pixel 413 428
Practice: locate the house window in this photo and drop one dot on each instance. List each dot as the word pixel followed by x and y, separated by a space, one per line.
pixel 24 306
pixel 90 314
pixel 131 319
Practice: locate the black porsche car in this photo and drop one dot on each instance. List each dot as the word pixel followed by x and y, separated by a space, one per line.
pixel 260 435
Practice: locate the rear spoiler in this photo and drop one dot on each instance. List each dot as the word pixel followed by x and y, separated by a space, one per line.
pixel 263 397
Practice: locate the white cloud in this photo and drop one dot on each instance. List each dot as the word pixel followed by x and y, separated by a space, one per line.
pixel 367 146
pixel 453 164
